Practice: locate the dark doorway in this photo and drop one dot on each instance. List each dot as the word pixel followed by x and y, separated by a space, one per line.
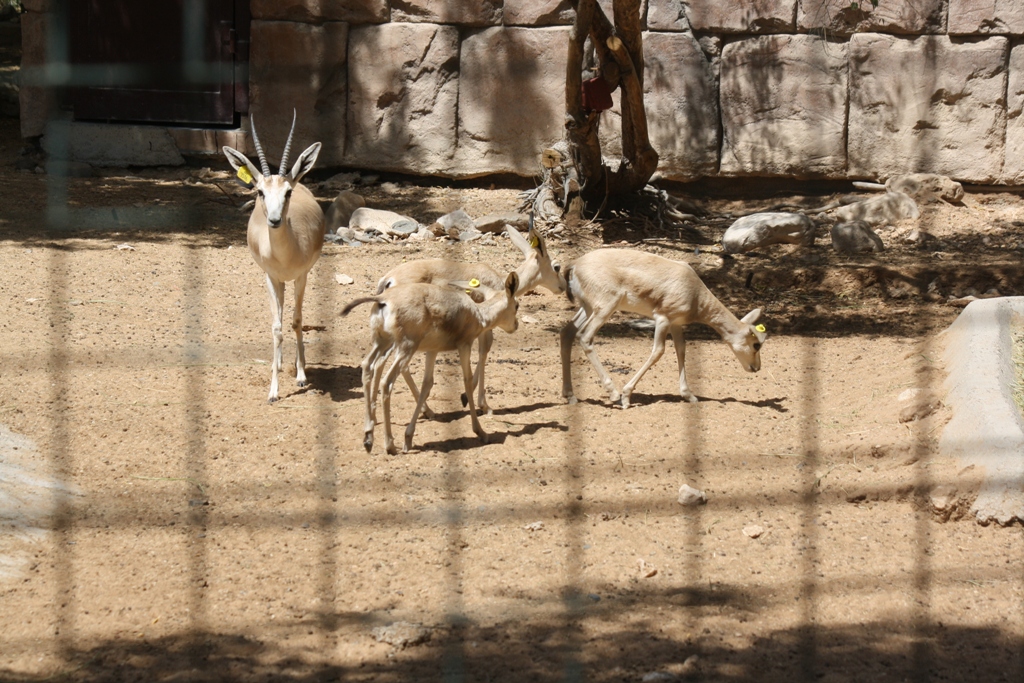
pixel 175 62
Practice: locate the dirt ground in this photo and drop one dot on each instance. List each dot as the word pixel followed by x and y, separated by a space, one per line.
pixel 214 537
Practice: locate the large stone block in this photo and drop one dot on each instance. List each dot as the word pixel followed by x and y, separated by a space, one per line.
pixel 741 16
pixel 511 99
pixel 301 67
pixel 118 145
pixel 667 15
pixel 403 97
pixel 927 104
pixel 537 12
pixel 682 108
pixel 841 17
pixel 461 12
pixel 1013 163
pixel 317 11
pixel 968 17
pixel 783 102
pixel 36 102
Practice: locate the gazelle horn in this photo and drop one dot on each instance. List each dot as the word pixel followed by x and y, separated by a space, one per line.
pixel 259 150
pixel 287 147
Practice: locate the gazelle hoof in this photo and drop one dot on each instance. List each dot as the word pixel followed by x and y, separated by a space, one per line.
pixel 465 401
pixel 392 449
pixel 300 383
pixel 571 400
pixel 368 442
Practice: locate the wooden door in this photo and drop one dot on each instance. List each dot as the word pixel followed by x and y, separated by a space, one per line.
pixel 173 61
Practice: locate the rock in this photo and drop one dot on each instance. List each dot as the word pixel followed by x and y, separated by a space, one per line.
pixel 106 145
pixel 457 219
pixel 496 222
pixel 985 16
pixel 438 230
pixel 884 208
pixel 340 211
pixel 536 12
pixel 919 238
pixel 659 677
pixel 422 235
pixel 926 187
pixel 481 13
pixel 402 634
pixel 343 279
pixel 319 11
pixel 925 104
pixel 646 569
pixel 753 531
pixel 690 667
pixel 916 404
pixel 1013 160
pixel 511 84
pixel 69 169
pixel 784 106
pixel 403 227
pixel 943 500
pixel 534 526
pixel 364 219
pixel 469 235
pixel 763 229
pixel 667 15
pixel 736 17
pixel 690 497
pixel 338 182
pixel 316 86
pixel 924 16
pixel 402 98
pixel 855 237
pixel 348 236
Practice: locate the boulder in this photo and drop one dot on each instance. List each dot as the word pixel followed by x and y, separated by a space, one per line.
pixel 496 222
pixel 842 17
pixel 855 237
pixel 402 98
pixel 737 16
pixel 384 222
pixel 971 17
pixel 763 229
pixel 537 12
pixel 340 211
pixel 457 219
pixel 463 13
pixel 927 104
pixel 926 187
pixel 511 98
pixel 667 15
pixel 884 208
pixel 784 106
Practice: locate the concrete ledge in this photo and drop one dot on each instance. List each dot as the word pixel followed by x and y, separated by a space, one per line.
pixel 987 430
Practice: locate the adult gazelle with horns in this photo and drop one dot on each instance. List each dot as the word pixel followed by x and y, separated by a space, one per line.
pixel 285 235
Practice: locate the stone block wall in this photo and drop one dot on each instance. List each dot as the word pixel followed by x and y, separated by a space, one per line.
pixel 734 88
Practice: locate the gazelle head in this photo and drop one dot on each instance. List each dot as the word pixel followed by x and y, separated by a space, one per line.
pixel 748 341
pixel 537 270
pixel 273 191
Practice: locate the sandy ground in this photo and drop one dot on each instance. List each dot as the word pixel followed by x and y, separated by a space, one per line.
pixel 206 535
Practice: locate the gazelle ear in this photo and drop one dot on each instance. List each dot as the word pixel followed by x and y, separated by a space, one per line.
pixel 304 164
pixel 512 283
pixel 518 240
pixel 238 162
pixel 751 318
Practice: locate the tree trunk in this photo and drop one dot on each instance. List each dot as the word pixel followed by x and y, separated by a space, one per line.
pixel 619 50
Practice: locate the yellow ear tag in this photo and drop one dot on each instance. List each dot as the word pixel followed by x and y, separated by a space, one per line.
pixel 474 283
pixel 244 175
pixel 760 328
pixel 534 241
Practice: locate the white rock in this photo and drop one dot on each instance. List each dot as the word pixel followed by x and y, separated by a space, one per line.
pixel 855 237
pixel 753 531
pixel 343 279
pixel 926 187
pixel 534 526
pixel 884 208
pixel 763 229
pixel 457 219
pixel 364 219
pixel 690 497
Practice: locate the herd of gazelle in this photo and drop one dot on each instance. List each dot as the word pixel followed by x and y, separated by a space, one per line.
pixel 434 305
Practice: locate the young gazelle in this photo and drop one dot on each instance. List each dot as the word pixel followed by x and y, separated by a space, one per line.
pixel 612 280
pixel 417 317
pixel 285 235
pixel 535 271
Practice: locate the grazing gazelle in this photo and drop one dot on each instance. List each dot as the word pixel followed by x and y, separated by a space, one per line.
pixel 285 235
pixel 610 280
pixel 407 319
pixel 536 270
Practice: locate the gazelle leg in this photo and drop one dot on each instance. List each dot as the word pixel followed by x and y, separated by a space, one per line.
pixel 465 353
pixel 402 357
pixel 276 291
pixel 427 412
pixel 660 332
pixel 484 343
pixel 680 343
pixel 588 331
pixel 566 338
pixel 300 349
pixel 421 400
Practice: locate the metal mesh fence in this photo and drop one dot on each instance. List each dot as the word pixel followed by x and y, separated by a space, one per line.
pixel 215 538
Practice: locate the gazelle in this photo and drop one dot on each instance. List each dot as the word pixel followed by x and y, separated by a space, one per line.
pixel 285 236
pixel 610 280
pixel 417 317
pixel 536 270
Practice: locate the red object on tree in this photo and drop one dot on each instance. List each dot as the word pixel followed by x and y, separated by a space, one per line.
pixel 597 96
